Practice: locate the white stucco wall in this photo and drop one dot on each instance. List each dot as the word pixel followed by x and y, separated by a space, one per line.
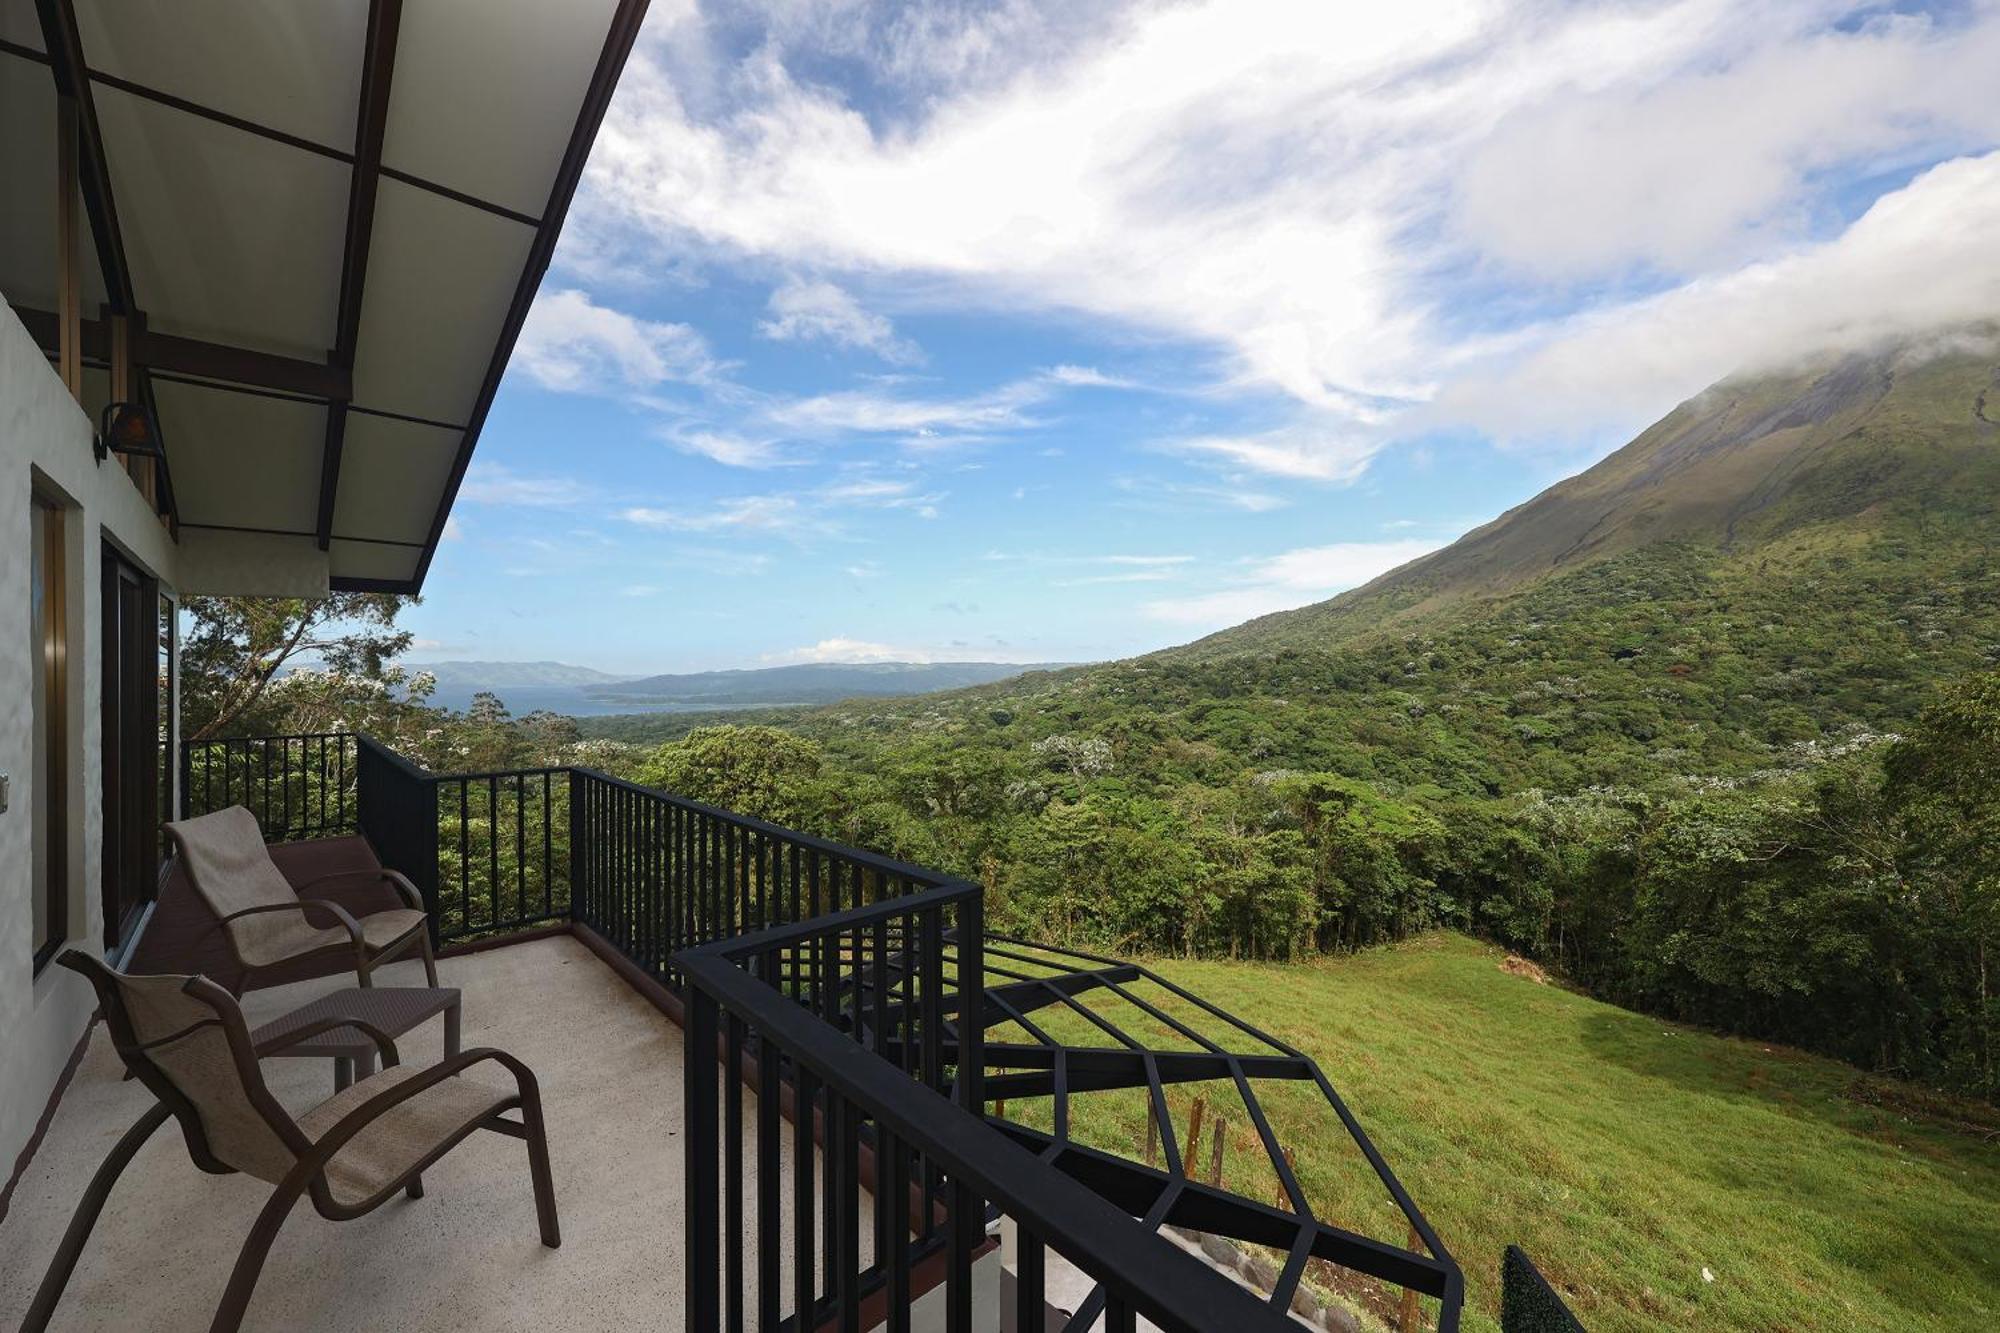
pixel 45 435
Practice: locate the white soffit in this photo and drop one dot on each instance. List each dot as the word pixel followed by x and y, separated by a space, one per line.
pixel 440 279
pixel 231 238
pixel 391 473
pixel 28 216
pixel 372 560
pixel 292 65
pixel 242 460
pixel 486 93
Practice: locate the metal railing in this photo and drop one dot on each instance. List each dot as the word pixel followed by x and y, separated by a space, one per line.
pixel 1528 1304
pixel 853 1015
pixel 826 982
pixel 299 786
pixel 656 873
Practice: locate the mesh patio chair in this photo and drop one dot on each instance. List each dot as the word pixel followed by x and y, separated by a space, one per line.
pixel 269 923
pixel 185 1039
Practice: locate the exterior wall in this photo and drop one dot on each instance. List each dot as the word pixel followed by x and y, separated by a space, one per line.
pixel 45 439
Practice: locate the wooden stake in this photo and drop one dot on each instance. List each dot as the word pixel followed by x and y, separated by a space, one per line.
pixel 1218 1137
pixel 69 272
pixel 1412 1320
pixel 1188 1158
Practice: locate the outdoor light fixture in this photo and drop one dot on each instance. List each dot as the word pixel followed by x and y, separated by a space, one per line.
pixel 127 429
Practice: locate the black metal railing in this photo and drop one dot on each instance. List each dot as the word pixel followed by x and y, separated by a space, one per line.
pixel 656 873
pixel 503 857
pixel 299 786
pixel 853 1014
pixel 1528 1304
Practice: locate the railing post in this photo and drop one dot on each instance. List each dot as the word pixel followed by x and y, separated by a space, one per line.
pixel 579 832
pixel 704 1258
pixel 425 799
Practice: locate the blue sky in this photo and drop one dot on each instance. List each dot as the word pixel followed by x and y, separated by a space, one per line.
pixel 1044 332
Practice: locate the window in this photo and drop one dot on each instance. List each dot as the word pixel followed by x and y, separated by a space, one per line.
pixel 48 578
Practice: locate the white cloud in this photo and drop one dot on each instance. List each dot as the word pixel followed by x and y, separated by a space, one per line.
pixel 497 484
pixel 871 411
pixel 1296 453
pixel 1291 579
pixel 743 513
pixel 847 650
pixel 807 309
pixel 1922 257
pixel 572 344
pixel 729 450
pixel 1310 192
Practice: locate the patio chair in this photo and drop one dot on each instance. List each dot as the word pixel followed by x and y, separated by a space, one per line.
pixel 269 924
pixel 185 1039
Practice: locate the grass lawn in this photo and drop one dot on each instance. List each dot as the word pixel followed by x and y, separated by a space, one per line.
pixel 1624 1154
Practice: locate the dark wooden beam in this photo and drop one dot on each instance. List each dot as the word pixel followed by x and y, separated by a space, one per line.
pixel 371 123
pixel 618 41
pixel 66 63
pixel 152 350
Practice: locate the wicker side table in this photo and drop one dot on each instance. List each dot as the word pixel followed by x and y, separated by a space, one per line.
pixel 393 1009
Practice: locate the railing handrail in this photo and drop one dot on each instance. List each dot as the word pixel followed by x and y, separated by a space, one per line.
pixel 872 860
pixel 188 742
pixel 736 948
pixel 1176 1291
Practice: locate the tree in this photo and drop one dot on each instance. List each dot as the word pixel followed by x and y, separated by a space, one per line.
pixel 244 663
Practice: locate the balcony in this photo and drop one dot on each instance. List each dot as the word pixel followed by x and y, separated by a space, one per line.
pixel 745 1037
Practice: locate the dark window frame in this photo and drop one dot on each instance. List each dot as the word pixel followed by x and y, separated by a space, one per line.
pixel 49 621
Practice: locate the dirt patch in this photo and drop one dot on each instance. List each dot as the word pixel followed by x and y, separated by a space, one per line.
pixel 1516 966
pixel 1937 1109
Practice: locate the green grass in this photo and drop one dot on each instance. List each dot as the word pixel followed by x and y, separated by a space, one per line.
pixel 1623 1153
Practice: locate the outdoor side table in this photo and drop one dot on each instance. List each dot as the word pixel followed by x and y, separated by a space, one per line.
pixel 393 1009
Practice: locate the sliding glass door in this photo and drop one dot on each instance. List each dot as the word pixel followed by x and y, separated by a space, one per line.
pixel 131 714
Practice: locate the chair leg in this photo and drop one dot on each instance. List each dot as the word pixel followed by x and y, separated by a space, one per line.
pixel 85 1219
pixel 250 1260
pixel 538 1167
pixel 415 1189
pixel 430 959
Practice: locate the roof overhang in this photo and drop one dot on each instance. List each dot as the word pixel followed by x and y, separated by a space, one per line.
pixel 320 226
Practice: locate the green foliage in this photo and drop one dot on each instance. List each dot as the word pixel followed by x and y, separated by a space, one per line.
pixel 241 663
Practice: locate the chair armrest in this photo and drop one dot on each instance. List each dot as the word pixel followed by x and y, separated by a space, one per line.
pixel 358 1119
pixel 384 1046
pixel 340 914
pixel 404 889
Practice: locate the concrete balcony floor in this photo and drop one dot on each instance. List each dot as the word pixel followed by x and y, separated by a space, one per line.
pixel 466 1255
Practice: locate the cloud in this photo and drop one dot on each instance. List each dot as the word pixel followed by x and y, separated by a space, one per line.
pixel 730 450
pixel 1292 579
pixel 805 310
pixel 743 513
pixel 573 345
pixel 1357 209
pixel 846 650
pixel 497 484
pixel 1921 258
pixel 1704 167
pixel 870 411
pixel 1295 453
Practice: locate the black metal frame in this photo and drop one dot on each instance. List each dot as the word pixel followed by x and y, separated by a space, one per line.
pixel 861 976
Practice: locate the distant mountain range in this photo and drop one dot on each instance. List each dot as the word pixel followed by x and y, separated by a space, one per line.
pixel 581 691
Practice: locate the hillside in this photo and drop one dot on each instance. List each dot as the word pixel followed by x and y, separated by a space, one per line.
pixel 1852 446
pixel 501 675
pixel 1625 1154
pixel 807 683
